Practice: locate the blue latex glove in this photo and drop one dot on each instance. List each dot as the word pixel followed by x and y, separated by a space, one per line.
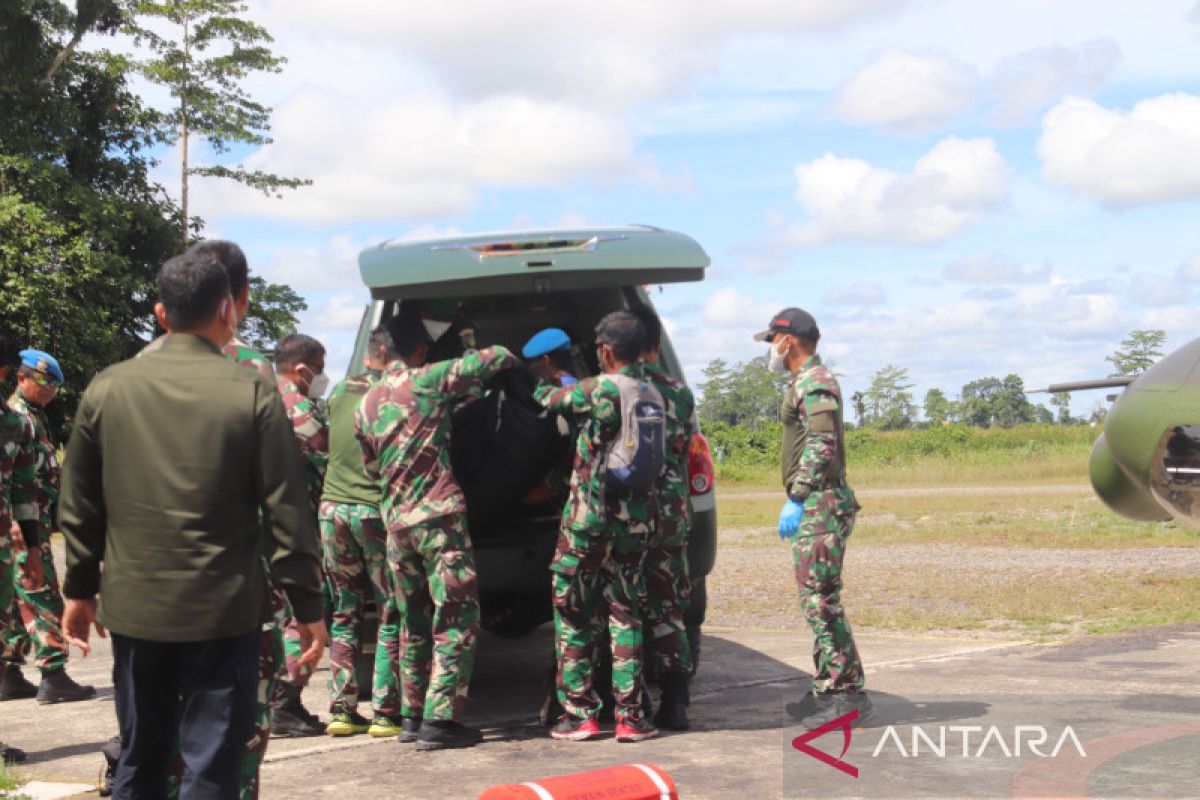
pixel 789 519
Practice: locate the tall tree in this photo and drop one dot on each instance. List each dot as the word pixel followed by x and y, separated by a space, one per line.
pixel 937 407
pixel 1137 353
pixel 1010 407
pixel 976 401
pixel 1062 401
pixel 213 49
pixel 747 394
pixel 272 313
pixel 889 403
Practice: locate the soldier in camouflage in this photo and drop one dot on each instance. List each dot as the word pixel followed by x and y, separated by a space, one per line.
pixel 667 582
pixel 300 363
pixel 34 496
pixel 598 560
pixel 354 547
pixel 818 515
pixel 403 426
pixel 15 430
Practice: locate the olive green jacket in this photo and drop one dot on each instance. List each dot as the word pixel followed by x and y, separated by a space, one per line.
pixel 170 459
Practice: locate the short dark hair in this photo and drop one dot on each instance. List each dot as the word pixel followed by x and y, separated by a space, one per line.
pixel 296 348
pixel 9 355
pixel 191 289
pixel 229 256
pixel 408 332
pixel 381 339
pixel 652 325
pixel 624 333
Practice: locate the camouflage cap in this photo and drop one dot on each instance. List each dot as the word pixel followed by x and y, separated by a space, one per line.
pixel 793 321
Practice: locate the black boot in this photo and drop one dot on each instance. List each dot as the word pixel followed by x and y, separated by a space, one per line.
pixel 16 686
pixel 290 719
pixel 444 734
pixel 57 687
pixel 112 754
pixel 10 754
pixel 673 703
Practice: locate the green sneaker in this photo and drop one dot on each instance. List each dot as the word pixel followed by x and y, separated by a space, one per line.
pixel 383 727
pixel 347 723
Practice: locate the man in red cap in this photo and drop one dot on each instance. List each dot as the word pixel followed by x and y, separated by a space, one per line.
pixel 818 515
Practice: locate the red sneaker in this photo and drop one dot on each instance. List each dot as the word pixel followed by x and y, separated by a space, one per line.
pixel 635 730
pixel 576 730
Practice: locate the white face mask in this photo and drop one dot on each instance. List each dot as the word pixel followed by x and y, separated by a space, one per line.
pixel 318 384
pixel 776 361
pixel 436 328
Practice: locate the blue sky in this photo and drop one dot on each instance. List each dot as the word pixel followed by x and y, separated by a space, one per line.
pixel 958 187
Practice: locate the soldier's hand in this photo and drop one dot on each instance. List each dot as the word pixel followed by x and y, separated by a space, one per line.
pixel 789 519
pixel 34 576
pixel 78 619
pixel 313 639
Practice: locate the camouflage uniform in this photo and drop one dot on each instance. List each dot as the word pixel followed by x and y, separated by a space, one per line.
pixel 33 495
pixel 814 473
pixel 403 426
pixel 667 583
pixel 597 569
pixel 354 545
pixel 15 431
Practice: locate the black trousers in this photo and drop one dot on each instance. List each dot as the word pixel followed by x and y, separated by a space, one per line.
pixel 199 694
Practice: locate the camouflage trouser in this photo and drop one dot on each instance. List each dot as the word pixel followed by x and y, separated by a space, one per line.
pixel 581 597
pixel 37 618
pixel 433 571
pixel 817 553
pixel 667 590
pixel 354 547
pixel 7 591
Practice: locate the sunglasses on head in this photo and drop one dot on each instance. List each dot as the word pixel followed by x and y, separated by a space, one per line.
pixel 42 379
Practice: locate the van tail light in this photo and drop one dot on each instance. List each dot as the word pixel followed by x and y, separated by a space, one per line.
pixel 700 466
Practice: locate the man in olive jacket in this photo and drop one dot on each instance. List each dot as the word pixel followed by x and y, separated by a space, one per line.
pixel 171 457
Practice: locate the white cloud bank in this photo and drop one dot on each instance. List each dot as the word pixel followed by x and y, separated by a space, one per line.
pixel 907 92
pixel 1031 81
pixel 949 188
pixel 1149 155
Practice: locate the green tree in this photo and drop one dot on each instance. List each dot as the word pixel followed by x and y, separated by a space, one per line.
pixel 747 394
pixel 214 49
pixel 1062 402
pixel 1138 352
pixel 976 402
pixel 859 401
pixel 937 407
pixel 889 403
pixel 272 313
pixel 1010 407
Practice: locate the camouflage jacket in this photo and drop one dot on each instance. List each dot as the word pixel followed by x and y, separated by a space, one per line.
pixel 312 436
pixel 403 428
pixel 242 353
pixel 595 519
pixel 346 480
pixel 814 449
pixel 15 464
pixel 680 407
pixel 35 492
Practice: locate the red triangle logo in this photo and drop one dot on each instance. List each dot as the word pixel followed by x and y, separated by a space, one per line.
pixel 843 723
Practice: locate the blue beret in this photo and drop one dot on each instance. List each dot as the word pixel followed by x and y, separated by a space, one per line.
pixel 42 362
pixel 550 340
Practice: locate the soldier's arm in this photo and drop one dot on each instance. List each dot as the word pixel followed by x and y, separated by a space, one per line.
pixel 312 433
pixel 25 492
pixel 461 376
pixel 819 415
pixel 82 515
pixel 282 492
pixel 687 416
pixel 575 399
pixel 362 432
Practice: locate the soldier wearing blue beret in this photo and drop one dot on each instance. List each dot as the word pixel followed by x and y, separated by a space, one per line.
pixel 548 354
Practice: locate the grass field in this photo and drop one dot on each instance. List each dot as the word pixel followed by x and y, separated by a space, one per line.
pixel 983 543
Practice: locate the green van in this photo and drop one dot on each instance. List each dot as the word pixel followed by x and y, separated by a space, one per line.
pixel 511 285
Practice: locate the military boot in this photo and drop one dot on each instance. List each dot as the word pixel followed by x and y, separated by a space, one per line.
pixel 10 754
pixel 15 685
pixel 673 703
pixel 57 687
pixel 290 719
pixel 444 734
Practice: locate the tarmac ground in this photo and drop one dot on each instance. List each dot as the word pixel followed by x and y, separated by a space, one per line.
pixel 739 743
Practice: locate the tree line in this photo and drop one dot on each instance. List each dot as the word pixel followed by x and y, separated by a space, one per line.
pixel 83 226
pixel 748 395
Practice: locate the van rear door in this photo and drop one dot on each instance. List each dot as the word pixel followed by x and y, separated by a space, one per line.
pixel 538 261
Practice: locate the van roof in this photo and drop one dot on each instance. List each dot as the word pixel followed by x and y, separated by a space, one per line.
pixel 480 263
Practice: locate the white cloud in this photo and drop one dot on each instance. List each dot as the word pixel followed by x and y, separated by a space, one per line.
pixel 1189 270
pixel 615 53
pixel 729 307
pixel 949 188
pixel 338 313
pixel 991 270
pixel 1028 82
pixel 333 265
pixel 421 157
pixel 907 92
pixel 1069 309
pixel 1149 155
pixel 858 294
pixel 1194 16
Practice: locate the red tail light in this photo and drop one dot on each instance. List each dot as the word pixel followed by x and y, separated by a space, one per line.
pixel 700 466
